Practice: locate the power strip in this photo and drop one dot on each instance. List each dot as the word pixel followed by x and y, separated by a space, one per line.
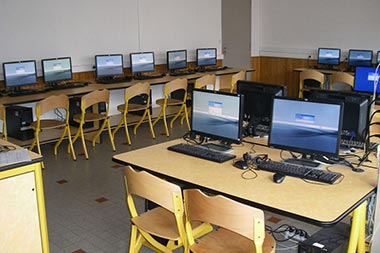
pixel 295 235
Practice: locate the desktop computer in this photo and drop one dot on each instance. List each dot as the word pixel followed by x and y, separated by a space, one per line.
pixel 19 119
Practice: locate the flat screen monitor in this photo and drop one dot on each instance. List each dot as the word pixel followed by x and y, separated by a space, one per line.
pixel 217 115
pixel 378 57
pixel 206 57
pixel 109 65
pixel 19 73
pixel 329 56
pixel 176 59
pixel 365 79
pixel 356 111
pixel 142 62
pixel 359 58
pixel 258 101
pixel 56 69
pixel 306 127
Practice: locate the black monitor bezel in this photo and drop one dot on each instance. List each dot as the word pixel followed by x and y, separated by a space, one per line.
pixel 139 53
pixel 43 61
pixel 205 65
pixel 310 151
pixel 105 55
pixel 239 138
pixel 327 48
pixel 175 51
pixel 24 84
pixel 359 50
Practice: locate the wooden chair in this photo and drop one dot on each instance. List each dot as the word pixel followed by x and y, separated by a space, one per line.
pixel 128 106
pixel 90 99
pixel 234 78
pixel 55 103
pixel 310 75
pixel 165 221
pixel 341 81
pixel 175 85
pixel 241 227
pixel 3 119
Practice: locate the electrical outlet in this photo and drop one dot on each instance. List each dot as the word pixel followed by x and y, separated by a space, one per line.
pixel 295 235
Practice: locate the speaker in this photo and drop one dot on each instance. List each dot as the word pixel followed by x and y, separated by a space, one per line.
pixel 18 120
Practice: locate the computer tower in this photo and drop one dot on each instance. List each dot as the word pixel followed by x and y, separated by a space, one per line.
pixel 19 119
pixel 142 100
pixel 74 108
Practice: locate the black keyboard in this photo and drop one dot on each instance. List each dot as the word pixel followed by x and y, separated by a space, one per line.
pixel 70 85
pixel 110 80
pixel 26 92
pixel 355 144
pixel 182 73
pixel 299 171
pixel 201 152
pixel 147 77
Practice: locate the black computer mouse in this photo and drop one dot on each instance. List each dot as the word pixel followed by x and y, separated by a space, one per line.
pixel 241 164
pixel 278 178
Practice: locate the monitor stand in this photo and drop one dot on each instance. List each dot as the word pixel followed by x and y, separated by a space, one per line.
pixel 218 147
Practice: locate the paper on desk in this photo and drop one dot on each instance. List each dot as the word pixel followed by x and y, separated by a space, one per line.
pixel 14 156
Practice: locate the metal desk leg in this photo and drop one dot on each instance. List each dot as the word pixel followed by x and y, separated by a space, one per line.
pixel 357 235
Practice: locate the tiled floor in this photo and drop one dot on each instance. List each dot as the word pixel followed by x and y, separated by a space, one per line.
pixel 85 199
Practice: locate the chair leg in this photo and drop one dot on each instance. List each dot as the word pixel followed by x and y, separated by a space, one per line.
pixel 159 116
pixel 151 126
pixel 96 136
pixel 60 140
pixel 110 134
pixel 83 141
pixel 118 125
pixel 165 123
pixel 122 121
pixel 140 121
pixel 176 116
pixel 187 118
pixel 73 155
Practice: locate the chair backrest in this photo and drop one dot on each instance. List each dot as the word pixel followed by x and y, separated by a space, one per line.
pixel 203 81
pixel 341 81
pixel 223 212
pixel 136 90
pixel 95 97
pixel 52 102
pixel 236 77
pixel 176 84
pixel 3 119
pixel 311 74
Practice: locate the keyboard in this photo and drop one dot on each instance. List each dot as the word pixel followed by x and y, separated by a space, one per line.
pixel 69 85
pixel 26 92
pixel 355 144
pixel 110 80
pixel 147 77
pixel 201 152
pixel 299 171
pixel 182 73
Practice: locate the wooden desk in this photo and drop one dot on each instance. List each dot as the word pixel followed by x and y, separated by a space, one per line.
pixel 324 71
pixel 321 205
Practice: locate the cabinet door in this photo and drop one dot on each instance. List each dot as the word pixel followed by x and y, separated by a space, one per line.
pixel 19 219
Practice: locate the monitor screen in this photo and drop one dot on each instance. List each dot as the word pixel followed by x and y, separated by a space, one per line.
pixel 217 115
pixel 19 73
pixel 176 59
pixel 109 65
pixel 56 69
pixel 355 114
pixel 142 62
pixel 329 56
pixel 378 57
pixel 206 57
pixel 307 127
pixel 365 78
pixel 258 101
pixel 359 58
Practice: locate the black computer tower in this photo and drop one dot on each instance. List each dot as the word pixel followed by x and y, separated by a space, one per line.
pixel 74 108
pixel 142 100
pixel 19 119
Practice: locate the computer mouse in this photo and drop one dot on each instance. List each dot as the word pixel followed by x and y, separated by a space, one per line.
pixel 241 164
pixel 278 178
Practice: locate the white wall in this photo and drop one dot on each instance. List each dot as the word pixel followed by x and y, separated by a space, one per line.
pixel 296 28
pixel 81 29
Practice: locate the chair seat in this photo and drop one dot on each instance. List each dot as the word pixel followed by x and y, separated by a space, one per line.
pixel 49 124
pixel 170 101
pixel 225 241
pixel 88 117
pixel 131 107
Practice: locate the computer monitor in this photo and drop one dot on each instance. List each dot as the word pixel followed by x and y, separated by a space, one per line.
pixel 307 127
pixel 56 69
pixel 258 101
pixel 359 58
pixel 142 62
pixel 329 56
pixel 109 65
pixel 217 115
pixel 176 59
pixel 17 74
pixel 378 57
pixel 365 79
pixel 206 57
pixel 356 111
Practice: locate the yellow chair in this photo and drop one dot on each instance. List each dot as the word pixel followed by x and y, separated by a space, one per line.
pixel 341 81
pixel 241 227
pixel 234 78
pixel 165 221
pixel 130 93
pixel 93 98
pixel 310 74
pixel 3 119
pixel 52 103
pixel 175 85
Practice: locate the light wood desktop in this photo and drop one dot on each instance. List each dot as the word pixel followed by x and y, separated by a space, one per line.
pixel 318 204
